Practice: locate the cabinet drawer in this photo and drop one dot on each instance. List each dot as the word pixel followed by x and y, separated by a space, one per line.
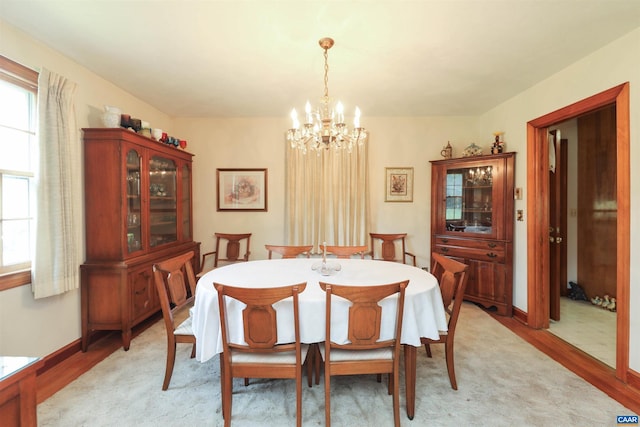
pixel 488 245
pixel 143 294
pixel 484 254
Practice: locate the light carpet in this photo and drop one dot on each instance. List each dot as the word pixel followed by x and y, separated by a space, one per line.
pixel 502 381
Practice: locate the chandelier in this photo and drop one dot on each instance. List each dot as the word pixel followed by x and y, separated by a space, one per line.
pixel 324 126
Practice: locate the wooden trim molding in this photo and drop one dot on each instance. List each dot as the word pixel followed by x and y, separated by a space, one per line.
pixel 13 280
pixel 520 315
pixel 537 204
pixel 18 74
pixel 633 379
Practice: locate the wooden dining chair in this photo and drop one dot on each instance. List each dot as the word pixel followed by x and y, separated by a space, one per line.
pixel 345 252
pixel 452 276
pixel 257 353
pixel 237 248
pixel 363 353
pixel 383 247
pixel 176 286
pixel 289 251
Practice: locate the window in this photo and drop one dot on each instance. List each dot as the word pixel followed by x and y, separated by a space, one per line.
pixel 18 89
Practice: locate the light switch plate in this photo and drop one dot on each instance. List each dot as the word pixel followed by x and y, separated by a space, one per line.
pixel 517 194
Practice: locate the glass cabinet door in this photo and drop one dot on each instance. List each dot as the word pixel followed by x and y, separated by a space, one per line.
pixel 134 230
pixel 163 224
pixel 469 199
pixel 186 203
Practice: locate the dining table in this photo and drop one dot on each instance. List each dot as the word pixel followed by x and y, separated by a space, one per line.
pixel 424 314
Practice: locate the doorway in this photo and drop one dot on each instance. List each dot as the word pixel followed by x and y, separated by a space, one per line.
pixel 538 267
pixel 582 232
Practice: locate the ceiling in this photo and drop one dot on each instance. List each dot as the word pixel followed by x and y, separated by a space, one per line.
pixel 236 58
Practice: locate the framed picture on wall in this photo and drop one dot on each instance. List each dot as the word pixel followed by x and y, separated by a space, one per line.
pixel 399 185
pixel 242 189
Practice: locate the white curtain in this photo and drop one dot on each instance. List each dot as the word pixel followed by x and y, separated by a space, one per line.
pixel 56 261
pixel 327 197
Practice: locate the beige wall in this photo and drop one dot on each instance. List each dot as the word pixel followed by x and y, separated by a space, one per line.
pixel 29 327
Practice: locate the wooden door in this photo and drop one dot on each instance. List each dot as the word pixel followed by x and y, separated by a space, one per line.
pixel 557 222
pixel 597 202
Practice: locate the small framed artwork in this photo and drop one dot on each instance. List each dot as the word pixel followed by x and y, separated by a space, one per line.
pixel 242 189
pixel 399 185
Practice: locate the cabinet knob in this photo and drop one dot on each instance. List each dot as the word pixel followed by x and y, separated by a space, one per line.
pixel 491 255
pixel 445 240
pixel 444 250
pixel 492 245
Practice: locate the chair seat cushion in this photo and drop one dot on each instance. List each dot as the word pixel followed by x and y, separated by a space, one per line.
pixel 184 328
pixel 338 355
pixel 288 357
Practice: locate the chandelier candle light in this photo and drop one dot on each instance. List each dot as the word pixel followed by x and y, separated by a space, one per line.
pixel 324 127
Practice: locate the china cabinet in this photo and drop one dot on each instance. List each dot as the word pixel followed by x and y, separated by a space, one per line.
pixel 138 211
pixel 472 220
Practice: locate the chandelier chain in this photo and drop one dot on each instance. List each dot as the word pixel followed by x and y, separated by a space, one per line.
pixel 326 73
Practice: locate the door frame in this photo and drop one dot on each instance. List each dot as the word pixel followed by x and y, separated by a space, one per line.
pixel 538 291
pixel 558 210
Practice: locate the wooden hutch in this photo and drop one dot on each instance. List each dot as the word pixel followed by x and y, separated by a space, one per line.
pixel 138 211
pixel 472 220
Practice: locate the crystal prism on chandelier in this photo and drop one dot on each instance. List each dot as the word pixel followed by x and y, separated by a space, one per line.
pixel 324 127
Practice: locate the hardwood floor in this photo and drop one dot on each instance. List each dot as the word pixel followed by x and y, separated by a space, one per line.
pixel 592 370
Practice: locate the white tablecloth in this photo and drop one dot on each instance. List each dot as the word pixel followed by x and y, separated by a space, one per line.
pixel 424 314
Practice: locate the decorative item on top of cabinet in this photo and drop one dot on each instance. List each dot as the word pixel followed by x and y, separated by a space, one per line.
pixel 447 151
pixel 472 150
pixel 472 220
pixel 498 144
pixel 138 209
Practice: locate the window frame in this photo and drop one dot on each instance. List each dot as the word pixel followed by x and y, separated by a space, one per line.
pixel 25 78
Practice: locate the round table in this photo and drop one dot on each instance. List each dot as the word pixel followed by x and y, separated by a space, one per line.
pixel 424 314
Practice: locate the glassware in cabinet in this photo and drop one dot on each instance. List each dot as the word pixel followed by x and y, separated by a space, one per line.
pixel 134 212
pixel 162 201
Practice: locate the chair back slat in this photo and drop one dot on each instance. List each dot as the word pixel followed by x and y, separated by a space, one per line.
pixel 388 250
pixel 177 290
pixel 233 250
